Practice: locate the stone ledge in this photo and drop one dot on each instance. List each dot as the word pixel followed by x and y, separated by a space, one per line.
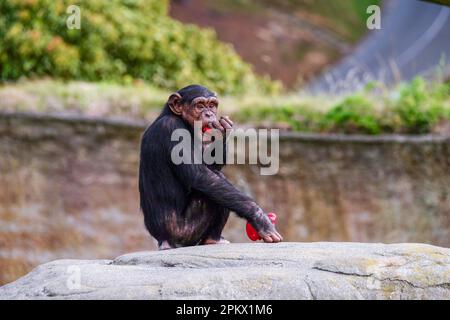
pixel 322 270
pixel 140 125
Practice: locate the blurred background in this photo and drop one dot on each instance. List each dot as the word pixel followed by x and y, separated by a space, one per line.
pixel 364 115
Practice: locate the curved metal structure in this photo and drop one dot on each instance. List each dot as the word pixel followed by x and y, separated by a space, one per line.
pixel 414 39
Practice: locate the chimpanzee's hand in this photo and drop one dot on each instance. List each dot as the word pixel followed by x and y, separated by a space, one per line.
pixel 224 124
pixel 265 228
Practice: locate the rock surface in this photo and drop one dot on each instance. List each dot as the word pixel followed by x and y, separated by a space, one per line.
pixel 322 270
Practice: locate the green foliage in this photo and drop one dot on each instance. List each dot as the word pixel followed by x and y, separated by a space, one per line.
pixel 298 117
pixel 413 108
pixel 419 108
pixel 118 41
pixel 354 114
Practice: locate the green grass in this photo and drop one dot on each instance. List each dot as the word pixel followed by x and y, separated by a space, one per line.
pixel 412 108
pixel 137 100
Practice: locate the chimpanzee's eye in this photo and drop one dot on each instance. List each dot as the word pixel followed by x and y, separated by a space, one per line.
pixel 200 106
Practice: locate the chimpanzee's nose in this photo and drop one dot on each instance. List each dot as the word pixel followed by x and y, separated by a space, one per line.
pixel 209 115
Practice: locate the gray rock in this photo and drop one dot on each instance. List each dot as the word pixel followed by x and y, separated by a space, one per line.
pixel 248 271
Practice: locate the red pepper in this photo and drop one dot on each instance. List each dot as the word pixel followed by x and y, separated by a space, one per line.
pixel 252 233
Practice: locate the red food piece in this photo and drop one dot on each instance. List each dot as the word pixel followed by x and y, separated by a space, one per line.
pixel 205 129
pixel 252 233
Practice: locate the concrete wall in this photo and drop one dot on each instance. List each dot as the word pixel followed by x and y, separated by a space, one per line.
pixel 68 188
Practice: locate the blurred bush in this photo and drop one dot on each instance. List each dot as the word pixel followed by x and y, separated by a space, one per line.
pixel 413 108
pixel 354 114
pixel 419 107
pixel 118 41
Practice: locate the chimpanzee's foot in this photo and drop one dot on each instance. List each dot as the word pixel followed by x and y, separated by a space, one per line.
pixel 215 241
pixel 164 245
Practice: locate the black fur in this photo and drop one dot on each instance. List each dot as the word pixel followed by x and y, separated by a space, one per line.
pixel 187 203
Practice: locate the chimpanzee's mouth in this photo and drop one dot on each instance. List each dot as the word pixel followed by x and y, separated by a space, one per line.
pixel 207 139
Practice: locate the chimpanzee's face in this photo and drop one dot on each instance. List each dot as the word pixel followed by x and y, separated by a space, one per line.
pixel 201 109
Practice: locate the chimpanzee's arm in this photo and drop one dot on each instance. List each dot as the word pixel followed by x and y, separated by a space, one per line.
pixel 219 166
pixel 222 192
pixel 218 189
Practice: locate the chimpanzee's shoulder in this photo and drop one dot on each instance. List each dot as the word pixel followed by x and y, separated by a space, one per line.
pixel 159 133
pixel 163 126
pixel 167 124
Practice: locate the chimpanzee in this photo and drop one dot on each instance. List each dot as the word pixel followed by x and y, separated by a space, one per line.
pixel 189 204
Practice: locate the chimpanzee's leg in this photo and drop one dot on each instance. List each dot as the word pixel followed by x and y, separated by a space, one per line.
pixel 186 228
pixel 164 245
pixel 189 227
pixel 214 233
pixel 201 222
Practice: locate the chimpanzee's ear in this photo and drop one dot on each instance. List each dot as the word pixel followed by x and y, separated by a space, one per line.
pixel 174 103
